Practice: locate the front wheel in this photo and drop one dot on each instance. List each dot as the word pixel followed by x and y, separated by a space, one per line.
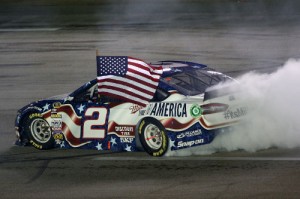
pixel 38 131
pixel 153 137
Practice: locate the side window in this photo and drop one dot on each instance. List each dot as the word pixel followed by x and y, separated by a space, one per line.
pixel 90 94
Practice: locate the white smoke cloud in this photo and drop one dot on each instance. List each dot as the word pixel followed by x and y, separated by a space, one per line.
pixel 273 117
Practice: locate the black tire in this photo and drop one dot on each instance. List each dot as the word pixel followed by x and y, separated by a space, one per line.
pixel 38 131
pixel 153 137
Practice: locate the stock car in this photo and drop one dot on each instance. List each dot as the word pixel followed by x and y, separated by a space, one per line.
pixel 184 112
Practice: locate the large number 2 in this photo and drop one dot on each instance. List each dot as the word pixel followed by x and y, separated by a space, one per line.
pixel 88 130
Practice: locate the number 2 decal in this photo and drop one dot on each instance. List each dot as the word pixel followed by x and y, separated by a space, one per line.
pixel 94 126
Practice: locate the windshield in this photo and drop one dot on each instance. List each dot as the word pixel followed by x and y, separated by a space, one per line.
pixel 196 81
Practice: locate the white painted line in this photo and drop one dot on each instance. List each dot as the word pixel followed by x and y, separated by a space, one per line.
pixel 28 29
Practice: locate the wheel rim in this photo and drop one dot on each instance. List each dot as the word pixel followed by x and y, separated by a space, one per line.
pixel 40 130
pixel 153 136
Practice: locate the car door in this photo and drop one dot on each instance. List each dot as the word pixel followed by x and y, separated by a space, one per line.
pixel 85 118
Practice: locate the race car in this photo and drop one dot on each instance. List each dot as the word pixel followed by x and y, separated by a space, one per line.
pixel 184 111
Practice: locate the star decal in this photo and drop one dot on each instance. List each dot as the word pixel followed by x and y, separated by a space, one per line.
pixel 99 146
pixel 81 108
pixel 46 107
pixel 128 148
pixel 113 141
pixel 62 144
pixel 172 143
pixel 58 141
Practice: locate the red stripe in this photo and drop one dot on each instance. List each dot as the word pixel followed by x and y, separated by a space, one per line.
pixel 143 75
pixel 71 113
pixel 153 69
pixel 172 123
pixel 125 84
pixel 156 70
pixel 215 126
pixel 47 114
pixel 149 69
pixel 70 137
pixel 142 82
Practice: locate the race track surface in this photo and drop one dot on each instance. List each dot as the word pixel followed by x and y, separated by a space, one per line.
pixel 48 48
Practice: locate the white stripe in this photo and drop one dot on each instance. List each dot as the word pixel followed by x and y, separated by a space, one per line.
pixel 139 62
pixel 145 72
pixel 123 95
pixel 71 125
pixel 126 81
pixel 142 78
pixel 132 90
pixel 158 71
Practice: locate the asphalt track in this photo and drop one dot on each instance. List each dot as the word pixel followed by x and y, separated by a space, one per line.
pixel 48 48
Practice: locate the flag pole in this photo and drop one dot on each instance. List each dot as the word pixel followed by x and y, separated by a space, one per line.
pixel 97 52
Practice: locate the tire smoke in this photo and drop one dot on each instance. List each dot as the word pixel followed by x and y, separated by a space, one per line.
pixel 273 114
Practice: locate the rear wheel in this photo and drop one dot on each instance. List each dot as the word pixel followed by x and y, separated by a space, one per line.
pixel 153 137
pixel 38 131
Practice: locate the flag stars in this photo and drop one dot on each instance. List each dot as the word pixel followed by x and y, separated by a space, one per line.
pixel 112 66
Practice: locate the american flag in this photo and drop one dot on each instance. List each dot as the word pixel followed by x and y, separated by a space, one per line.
pixel 127 78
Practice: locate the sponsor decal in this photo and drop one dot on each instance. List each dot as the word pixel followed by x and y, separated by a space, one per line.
pixel 58 136
pixel 189 134
pixel 56 115
pixel 127 139
pixel 36 145
pixel 182 144
pixel 195 110
pixel 35 115
pixel 168 109
pixel 124 130
pixel 232 114
pixel 56 123
pixel 56 105
pixel 163 147
pixel 141 126
pixel 135 108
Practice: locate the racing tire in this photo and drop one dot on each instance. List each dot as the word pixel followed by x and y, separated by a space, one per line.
pixel 38 131
pixel 153 137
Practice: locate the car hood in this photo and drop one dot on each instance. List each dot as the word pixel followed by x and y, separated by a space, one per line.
pixel 58 97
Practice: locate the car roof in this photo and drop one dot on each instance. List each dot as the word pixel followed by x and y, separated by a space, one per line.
pixel 171 67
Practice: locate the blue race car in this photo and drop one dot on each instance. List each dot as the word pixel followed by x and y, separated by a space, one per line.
pixel 183 112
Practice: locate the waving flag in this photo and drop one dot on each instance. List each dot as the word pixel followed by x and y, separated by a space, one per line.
pixel 127 78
